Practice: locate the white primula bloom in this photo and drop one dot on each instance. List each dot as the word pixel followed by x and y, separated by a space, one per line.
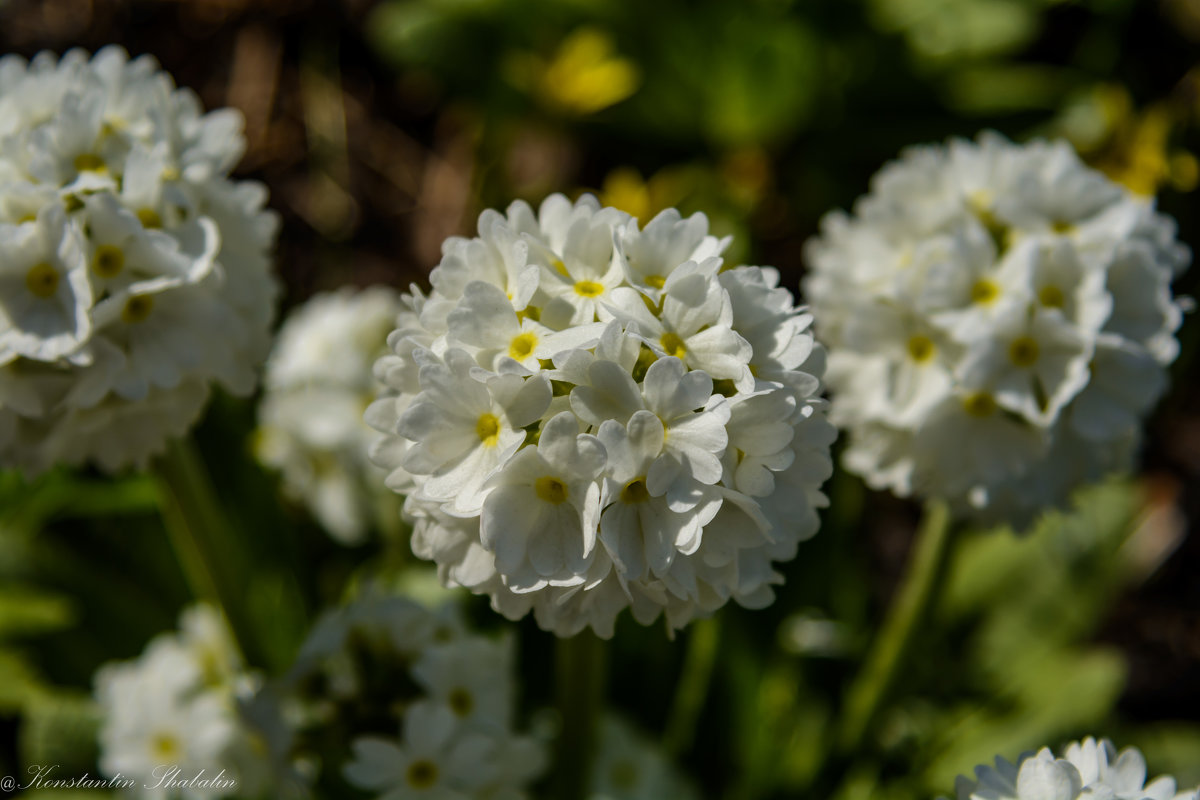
pixel 630 766
pixel 425 707
pixel 175 713
pixel 998 316
pixel 318 380
pixel 587 416
pixel 1087 769
pixel 134 273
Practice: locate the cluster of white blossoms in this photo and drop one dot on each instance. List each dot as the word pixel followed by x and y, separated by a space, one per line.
pixel 586 415
pixel 1087 769
pixel 998 318
pixel 133 272
pixel 318 381
pixel 172 716
pixel 628 765
pixel 425 707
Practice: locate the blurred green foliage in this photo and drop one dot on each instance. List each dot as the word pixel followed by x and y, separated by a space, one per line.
pixel 764 114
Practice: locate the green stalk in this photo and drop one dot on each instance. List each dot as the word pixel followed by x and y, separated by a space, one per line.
pixel 890 649
pixel 201 536
pixel 580 675
pixel 693 686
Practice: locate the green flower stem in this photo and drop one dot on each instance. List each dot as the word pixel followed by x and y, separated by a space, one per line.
pixel 909 609
pixel 694 682
pixel 580 675
pixel 201 536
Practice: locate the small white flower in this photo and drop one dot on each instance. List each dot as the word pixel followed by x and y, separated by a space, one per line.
pixel 541 516
pixel 44 289
pixel 992 310
pixel 629 766
pixel 464 429
pixel 1087 769
pixel 432 763
pixel 694 324
pixel 428 704
pixel 176 707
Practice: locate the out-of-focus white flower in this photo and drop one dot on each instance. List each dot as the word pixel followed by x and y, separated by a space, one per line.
pixel 134 273
pixel 318 380
pixel 173 715
pixel 630 766
pixel 425 706
pixel 588 416
pixel 1087 769
pixel 998 316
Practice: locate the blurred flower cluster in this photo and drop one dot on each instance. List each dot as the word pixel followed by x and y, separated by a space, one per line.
pixel 135 272
pixel 318 381
pixel 999 319
pixel 424 707
pixel 176 707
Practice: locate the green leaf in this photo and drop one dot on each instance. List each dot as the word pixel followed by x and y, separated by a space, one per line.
pixel 27 610
pixel 1068 692
pixel 61 729
pixel 19 682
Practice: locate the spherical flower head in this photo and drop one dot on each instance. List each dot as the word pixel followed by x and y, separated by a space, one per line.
pixel 178 706
pixel 999 320
pixel 588 415
pixel 426 706
pixel 134 274
pixel 1086 769
pixel 318 381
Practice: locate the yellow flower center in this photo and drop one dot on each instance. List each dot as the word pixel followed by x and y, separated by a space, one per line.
pixel 984 291
pixel 149 218
pixel 979 404
pixel 165 747
pixel 529 312
pixel 137 308
pixel 461 702
pixel 422 774
pixel 1052 297
pixel 1062 227
pixel 980 204
pixel 559 267
pixel 488 429
pixel 635 491
pixel 673 345
pixel 108 261
pixel 920 348
pixel 522 346
pixel 589 289
pixel 42 280
pixel 655 281
pixel 551 490
pixel 1023 351
pixel 170 174
pixel 89 162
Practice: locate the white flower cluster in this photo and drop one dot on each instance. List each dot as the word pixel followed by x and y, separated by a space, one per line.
pixel 1087 769
pixel 586 415
pixel 171 719
pixel 998 319
pixel 318 381
pixel 133 272
pixel 631 766
pixel 438 701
